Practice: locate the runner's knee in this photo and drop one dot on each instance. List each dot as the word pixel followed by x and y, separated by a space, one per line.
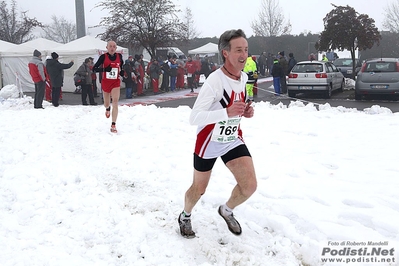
pixel 249 187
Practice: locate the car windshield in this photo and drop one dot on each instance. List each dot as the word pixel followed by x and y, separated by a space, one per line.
pixel 343 62
pixel 381 67
pixel 308 68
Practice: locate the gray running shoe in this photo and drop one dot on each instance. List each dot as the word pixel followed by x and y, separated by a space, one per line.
pixel 232 223
pixel 185 227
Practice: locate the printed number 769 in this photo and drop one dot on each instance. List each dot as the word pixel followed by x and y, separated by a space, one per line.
pixel 229 130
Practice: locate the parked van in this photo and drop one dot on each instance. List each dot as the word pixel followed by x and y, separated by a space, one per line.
pixel 164 52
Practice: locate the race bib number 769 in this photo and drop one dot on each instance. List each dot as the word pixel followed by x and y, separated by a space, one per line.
pixel 226 131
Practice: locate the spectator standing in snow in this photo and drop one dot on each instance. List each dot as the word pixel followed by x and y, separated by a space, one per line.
pixel 85 71
pixel 173 73
pixel 180 73
pixel 291 62
pixel 262 61
pixel 56 71
pixel 277 73
pixel 155 71
pixel 37 72
pixel 284 66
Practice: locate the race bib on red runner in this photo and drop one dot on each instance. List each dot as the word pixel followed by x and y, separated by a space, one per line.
pixel 113 74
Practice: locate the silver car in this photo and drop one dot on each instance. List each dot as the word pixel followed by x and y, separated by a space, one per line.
pixel 314 77
pixel 378 77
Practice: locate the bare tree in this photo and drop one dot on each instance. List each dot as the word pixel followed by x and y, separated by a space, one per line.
pixel 16 30
pixel 60 30
pixel 270 20
pixel 143 23
pixel 189 21
pixel 391 21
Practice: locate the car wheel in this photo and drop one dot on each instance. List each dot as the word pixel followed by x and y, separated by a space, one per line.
pixel 291 94
pixel 358 96
pixel 342 86
pixel 328 92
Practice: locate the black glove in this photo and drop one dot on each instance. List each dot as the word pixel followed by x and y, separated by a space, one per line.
pixel 108 69
pixel 122 73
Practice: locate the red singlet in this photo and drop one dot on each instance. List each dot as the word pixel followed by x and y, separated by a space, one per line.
pixel 110 80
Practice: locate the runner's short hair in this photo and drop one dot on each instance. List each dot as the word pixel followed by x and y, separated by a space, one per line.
pixel 226 37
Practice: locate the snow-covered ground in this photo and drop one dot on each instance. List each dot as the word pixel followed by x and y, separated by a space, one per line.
pixel 71 193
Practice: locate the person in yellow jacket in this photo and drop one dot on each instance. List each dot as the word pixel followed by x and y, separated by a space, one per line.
pixel 324 58
pixel 250 69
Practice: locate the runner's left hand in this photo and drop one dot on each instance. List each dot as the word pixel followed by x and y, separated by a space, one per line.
pixel 249 110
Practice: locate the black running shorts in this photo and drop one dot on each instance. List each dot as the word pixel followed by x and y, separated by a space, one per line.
pixel 204 165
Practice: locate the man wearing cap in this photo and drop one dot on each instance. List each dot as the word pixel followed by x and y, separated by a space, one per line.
pixel 37 70
pixel 56 71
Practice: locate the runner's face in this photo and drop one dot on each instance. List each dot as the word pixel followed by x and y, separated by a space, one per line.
pixel 237 56
pixel 111 47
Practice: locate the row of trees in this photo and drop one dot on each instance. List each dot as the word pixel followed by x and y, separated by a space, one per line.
pixel 303 44
pixel 153 23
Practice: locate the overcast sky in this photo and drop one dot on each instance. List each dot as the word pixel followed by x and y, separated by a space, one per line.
pixel 214 17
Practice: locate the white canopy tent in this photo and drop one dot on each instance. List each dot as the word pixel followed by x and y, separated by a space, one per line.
pixel 4 46
pixel 209 49
pixel 78 50
pixel 14 61
pixel 41 44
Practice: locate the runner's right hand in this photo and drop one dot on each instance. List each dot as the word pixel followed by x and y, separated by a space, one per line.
pixel 237 108
pixel 108 69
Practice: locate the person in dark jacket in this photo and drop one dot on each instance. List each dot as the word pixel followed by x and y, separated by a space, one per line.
pixel 93 79
pixel 291 62
pixel 205 69
pixel 262 62
pixel 85 71
pixel 284 66
pixel 277 73
pixel 269 63
pixel 173 72
pixel 165 75
pixel 155 71
pixel 55 70
pixel 129 78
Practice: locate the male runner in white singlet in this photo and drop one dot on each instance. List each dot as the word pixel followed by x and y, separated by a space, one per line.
pixel 220 105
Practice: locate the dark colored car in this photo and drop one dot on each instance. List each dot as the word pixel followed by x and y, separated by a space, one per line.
pixel 378 77
pixel 345 66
